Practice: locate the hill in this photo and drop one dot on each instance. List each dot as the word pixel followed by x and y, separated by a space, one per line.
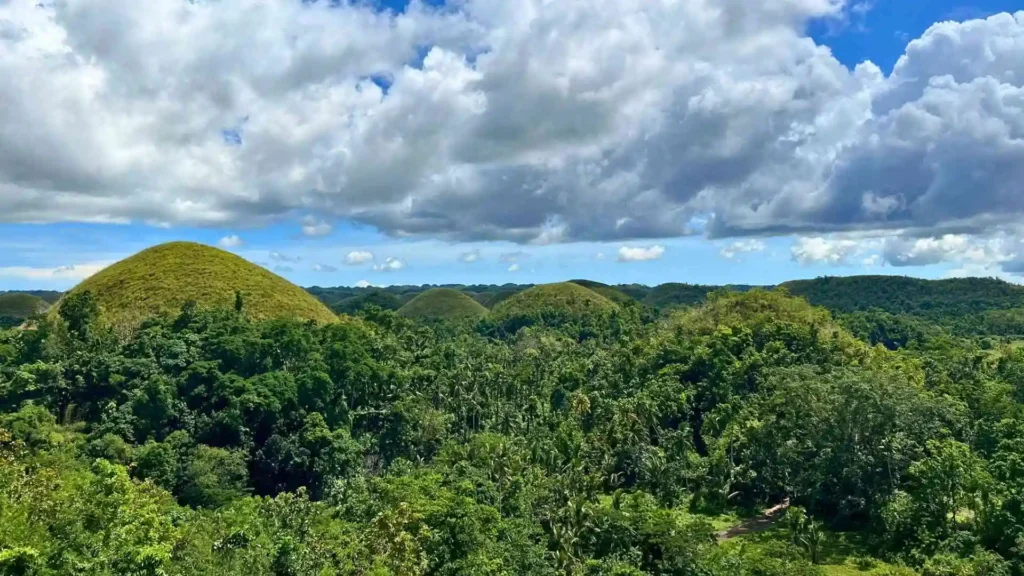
pixel 21 305
pixel 904 295
pixel 553 305
pixel 609 292
pixel 373 297
pixel 442 304
pixel 161 279
pixel 15 308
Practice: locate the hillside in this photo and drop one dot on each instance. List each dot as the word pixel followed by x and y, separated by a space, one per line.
pixel 21 305
pixel 904 295
pixel 161 279
pixel 609 292
pixel 442 304
pixel 371 297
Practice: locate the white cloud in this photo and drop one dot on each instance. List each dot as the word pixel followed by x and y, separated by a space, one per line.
pixel 358 257
pixel 822 250
pixel 530 121
pixel 599 256
pixel 470 257
pixel 872 261
pixel 232 241
pixel 638 254
pixel 324 268
pixel 742 247
pixel 510 257
pixel 363 284
pixel 280 257
pixel 314 228
pixel 513 268
pixel 70 272
pixel 389 265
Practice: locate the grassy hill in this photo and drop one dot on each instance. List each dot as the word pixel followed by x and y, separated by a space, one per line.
pixel 566 296
pixel 21 305
pixel 379 298
pixel 161 279
pixel 442 304
pixel 609 292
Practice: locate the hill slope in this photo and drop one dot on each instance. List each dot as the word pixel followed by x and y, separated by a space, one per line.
pixel 903 295
pixel 442 304
pixel 21 306
pixel 161 279
pixel 568 298
pixel 609 292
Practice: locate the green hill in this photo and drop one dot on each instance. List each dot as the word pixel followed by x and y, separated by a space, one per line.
pixel 161 279
pixel 609 292
pixel 379 298
pixel 442 304
pixel 568 298
pixel 22 306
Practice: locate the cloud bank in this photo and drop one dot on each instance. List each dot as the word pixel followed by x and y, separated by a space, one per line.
pixel 530 121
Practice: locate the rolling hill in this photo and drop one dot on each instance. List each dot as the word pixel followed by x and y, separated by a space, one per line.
pixel 569 299
pixel 609 292
pixel 442 304
pixel 161 279
pixel 21 306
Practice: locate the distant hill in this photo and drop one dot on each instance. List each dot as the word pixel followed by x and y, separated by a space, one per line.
pixel 552 305
pixel 48 296
pixel 21 305
pixel 161 279
pixel 371 297
pixel 15 308
pixel 903 295
pixel 609 292
pixel 442 304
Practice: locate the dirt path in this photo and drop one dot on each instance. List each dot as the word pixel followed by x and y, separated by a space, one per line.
pixel 756 524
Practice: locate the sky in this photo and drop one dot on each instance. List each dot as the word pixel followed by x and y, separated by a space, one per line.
pixel 486 141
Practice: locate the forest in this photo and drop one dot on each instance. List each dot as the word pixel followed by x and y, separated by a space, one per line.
pixel 630 439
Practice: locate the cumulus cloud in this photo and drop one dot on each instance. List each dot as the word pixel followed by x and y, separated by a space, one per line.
pixel 314 228
pixel 358 257
pixel 822 250
pixel 324 268
pixel 232 241
pixel 69 272
pixel 732 251
pixel 513 268
pixel 510 257
pixel 470 257
pixel 530 121
pixel 389 265
pixel 636 254
pixel 280 257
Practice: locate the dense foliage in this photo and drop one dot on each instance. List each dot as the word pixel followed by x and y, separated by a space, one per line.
pixel 550 439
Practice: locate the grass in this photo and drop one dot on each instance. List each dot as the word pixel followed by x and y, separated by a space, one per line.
pixel 842 553
pixel 21 306
pixel 605 290
pixel 569 298
pixel 442 304
pixel 161 279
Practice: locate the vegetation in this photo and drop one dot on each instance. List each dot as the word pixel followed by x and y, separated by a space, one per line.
pixel 560 435
pixel 609 292
pixel 442 304
pixel 372 297
pixel 15 308
pixel 162 279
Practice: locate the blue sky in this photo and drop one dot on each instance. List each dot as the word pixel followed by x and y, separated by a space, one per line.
pixel 302 193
